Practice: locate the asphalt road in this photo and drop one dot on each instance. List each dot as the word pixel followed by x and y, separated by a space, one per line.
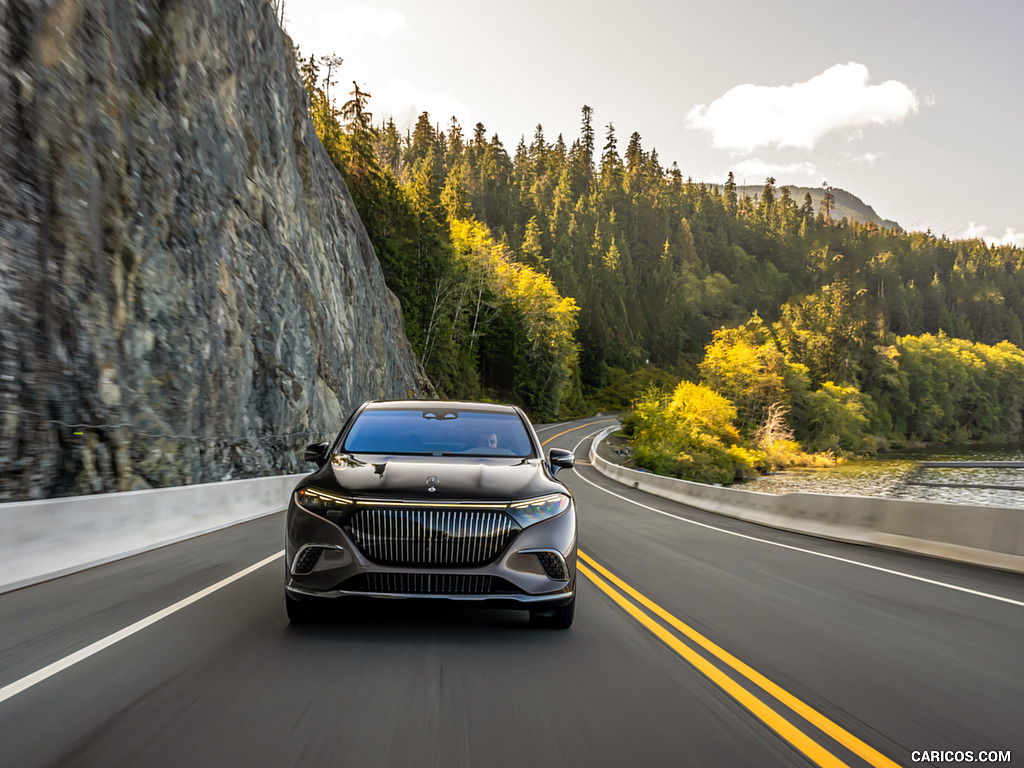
pixel 699 641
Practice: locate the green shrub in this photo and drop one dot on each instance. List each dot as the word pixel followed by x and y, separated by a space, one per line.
pixel 690 435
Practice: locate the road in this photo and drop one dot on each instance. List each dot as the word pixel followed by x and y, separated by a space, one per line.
pixel 699 641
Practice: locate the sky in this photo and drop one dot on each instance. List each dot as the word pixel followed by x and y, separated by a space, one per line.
pixel 916 107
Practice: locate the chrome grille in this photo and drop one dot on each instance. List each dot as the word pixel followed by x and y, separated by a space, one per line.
pixel 431 536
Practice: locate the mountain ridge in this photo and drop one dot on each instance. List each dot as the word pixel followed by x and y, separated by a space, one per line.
pixel 845 205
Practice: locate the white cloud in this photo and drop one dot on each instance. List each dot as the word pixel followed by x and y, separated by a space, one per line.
pixel 980 232
pixel 1013 237
pixel 323 28
pixel 381 23
pixel 404 102
pixel 755 171
pixel 799 115
pixel 866 158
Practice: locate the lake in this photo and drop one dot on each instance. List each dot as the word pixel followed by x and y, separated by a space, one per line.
pixel 898 475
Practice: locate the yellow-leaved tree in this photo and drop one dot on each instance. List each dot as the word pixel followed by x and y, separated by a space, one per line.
pixel 524 328
pixel 690 434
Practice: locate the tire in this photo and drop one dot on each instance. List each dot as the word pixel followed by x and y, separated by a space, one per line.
pixel 557 618
pixel 299 612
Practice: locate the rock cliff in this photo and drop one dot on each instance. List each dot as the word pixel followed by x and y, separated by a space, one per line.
pixel 187 293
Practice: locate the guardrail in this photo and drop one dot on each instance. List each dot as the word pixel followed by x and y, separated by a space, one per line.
pixel 44 539
pixel 989 536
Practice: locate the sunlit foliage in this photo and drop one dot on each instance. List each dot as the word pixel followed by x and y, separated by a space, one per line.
pixel 485 322
pixel 690 435
pixel 528 329
pixel 863 336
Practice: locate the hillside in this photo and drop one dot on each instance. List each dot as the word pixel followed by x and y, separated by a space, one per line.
pixel 847 204
pixel 655 262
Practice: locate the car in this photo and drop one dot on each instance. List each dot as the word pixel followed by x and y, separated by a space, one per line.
pixel 435 500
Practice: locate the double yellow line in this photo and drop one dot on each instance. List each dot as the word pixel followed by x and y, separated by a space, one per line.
pixel 573 429
pixel 630 601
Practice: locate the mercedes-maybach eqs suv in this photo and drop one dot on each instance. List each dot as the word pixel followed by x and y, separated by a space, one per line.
pixel 434 500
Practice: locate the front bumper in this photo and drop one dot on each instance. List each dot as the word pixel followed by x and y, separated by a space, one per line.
pixel 483 601
pixel 519 575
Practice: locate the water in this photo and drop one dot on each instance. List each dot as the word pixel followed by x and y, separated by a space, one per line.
pixel 893 475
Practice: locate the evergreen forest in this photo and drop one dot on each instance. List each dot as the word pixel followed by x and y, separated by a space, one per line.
pixel 568 275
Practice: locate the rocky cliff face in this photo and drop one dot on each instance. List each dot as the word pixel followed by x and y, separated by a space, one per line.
pixel 186 290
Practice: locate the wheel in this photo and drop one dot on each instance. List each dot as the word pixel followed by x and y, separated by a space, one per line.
pixel 299 612
pixel 555 618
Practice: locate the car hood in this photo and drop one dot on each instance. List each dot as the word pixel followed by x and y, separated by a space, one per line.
pixel 455 479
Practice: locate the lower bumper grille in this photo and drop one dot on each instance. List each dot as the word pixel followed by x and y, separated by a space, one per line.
pixel 431 536
pixel 552 566
pixel 306 560
pixel 429 584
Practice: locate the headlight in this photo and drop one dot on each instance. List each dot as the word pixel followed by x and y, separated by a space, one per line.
pixel 534 510
pixel 322 502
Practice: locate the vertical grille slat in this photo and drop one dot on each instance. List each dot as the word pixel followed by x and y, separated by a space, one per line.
pixel 462 548
pixel 448 547
pixel 431 536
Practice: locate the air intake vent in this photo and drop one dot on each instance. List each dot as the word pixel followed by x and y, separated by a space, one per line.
pixel 306 560
pixel 553 566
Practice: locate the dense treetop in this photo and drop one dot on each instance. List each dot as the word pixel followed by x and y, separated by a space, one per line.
pixel 546 273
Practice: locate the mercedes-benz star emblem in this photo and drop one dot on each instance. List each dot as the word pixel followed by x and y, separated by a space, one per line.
pixel 432 482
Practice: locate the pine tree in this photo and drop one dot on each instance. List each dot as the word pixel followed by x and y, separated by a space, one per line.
pixel 827 203
pixel 807 212
pixel 731 198
pixel 331 62
pixel 389 149
pixel 766 205
pixel 635 158
pixel 531 252
pixel 611 169
pixel 362 140
pixel 586 145
pixel 456 144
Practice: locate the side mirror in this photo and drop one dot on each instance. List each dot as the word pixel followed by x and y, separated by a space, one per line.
pixel 317 453
pixel 559 458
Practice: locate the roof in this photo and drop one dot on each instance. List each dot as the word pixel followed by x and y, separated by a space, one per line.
pixel 448 405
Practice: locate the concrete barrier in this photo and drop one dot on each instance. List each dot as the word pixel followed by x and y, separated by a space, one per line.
pixel 42 540
pixel 989 536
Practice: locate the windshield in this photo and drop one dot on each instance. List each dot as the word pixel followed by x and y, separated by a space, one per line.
pixel 438 432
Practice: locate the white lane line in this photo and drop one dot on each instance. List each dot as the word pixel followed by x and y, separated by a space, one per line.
pixel 551 426
pixel 563 423
pixel 878 568
pixel 13 689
